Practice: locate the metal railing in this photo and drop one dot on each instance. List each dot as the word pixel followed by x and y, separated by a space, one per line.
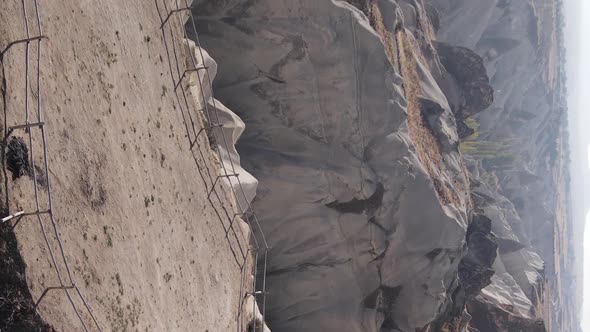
pixel 65 282
pixel 171 16
pixel 258 251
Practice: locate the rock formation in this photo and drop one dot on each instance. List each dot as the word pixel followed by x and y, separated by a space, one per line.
pixel 404 159
pixel 353 110
pixel 344 161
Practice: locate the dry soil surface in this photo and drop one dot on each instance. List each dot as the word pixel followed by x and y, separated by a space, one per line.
pixel 145 246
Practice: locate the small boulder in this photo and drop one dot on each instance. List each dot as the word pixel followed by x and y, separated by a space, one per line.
pixel 17 157
pixel 468 70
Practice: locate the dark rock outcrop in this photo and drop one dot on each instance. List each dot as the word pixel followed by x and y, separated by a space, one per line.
pixel 475 269
pixel 17 157
pixel 474 274
pixel 487 317
pixel 468 70
pixel 464 130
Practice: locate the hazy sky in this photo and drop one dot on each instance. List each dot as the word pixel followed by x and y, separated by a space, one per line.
pixel 586 309
pixel 578 58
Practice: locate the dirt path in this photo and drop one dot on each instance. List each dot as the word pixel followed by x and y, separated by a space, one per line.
pixel 146 247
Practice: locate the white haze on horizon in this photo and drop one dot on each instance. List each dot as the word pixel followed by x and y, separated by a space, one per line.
pixel 577 44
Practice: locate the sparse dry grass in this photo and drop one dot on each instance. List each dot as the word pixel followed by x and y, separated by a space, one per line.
pixel 387 37
pixel 425 26
pixel 403 51
pixel 427 146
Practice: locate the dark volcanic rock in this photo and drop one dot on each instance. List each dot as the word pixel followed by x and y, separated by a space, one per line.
pixel 475 269
pixel 468 69
pixel 464 130
pixel 17 157
pixel 474 274
pixel 489 318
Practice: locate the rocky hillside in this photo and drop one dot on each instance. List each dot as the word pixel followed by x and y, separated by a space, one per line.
pixel 379 171
pixel 405 159
pixel 520 147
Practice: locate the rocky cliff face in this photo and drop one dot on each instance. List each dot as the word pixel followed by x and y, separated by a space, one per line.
pixel 354 113
pixel 351 115
pixel 340 177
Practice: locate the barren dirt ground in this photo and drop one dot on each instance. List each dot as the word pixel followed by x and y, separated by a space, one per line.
pixel 145 246
pixel 558 293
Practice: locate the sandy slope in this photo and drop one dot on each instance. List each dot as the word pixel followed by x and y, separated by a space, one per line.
pixel 145 246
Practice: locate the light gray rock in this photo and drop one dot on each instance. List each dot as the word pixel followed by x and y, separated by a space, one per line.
pixel 225 126
pixel 360 240
pixel 525 124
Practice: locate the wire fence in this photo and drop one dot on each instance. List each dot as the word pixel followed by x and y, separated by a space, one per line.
pixel 178 18
pixel 34 35
pixel 199 134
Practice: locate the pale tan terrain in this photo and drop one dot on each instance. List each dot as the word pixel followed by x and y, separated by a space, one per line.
pixel 147 249
pixel 561 293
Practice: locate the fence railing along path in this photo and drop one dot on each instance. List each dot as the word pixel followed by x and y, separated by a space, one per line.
pixel 35 124
pixel 175 20
pixel 32 124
